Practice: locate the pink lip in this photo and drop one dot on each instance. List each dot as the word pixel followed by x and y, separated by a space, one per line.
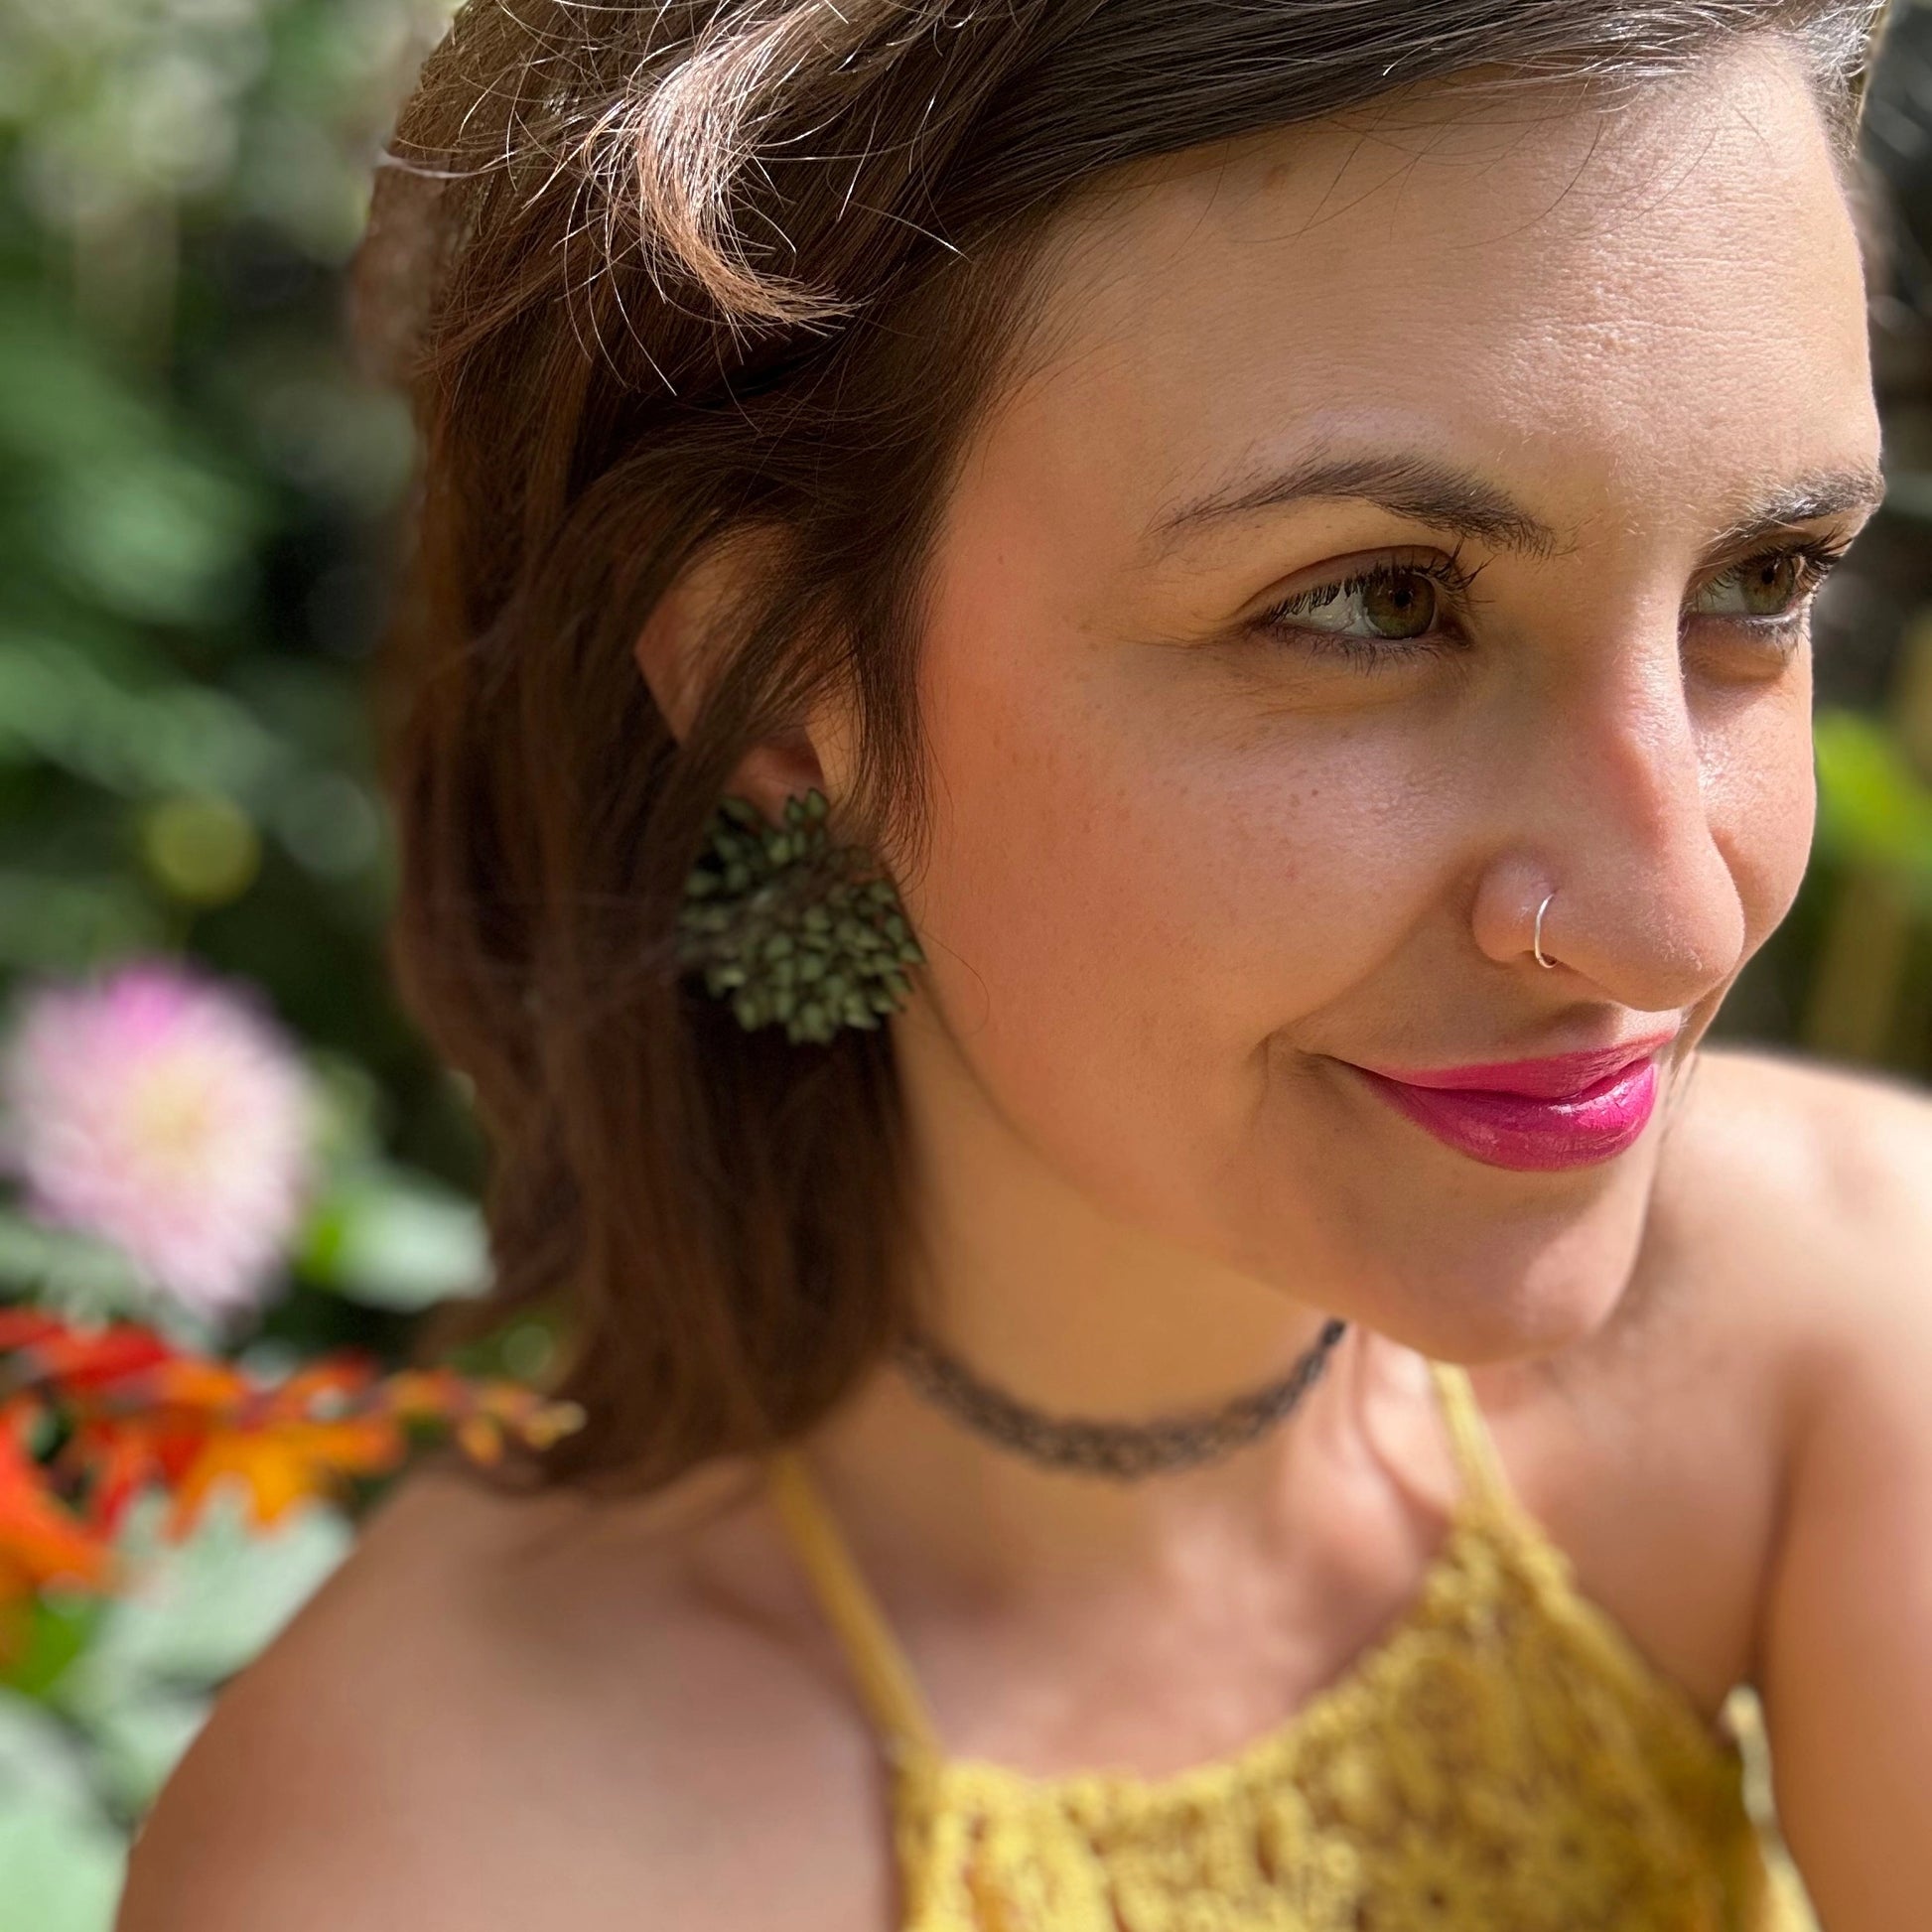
pixel 1567 1111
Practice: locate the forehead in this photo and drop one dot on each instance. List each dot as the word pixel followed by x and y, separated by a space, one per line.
pixel 1657 296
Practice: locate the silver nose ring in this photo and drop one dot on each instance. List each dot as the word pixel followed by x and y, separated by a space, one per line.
pixel 1536 944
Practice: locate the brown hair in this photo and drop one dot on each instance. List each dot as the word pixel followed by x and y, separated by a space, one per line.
pixel 660 273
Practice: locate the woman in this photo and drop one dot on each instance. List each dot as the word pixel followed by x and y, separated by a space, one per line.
pixel 1246 570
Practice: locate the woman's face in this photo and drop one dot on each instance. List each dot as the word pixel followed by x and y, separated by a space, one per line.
pixel 1393 524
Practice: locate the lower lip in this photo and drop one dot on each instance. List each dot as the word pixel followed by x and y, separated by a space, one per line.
pixel 1509 1130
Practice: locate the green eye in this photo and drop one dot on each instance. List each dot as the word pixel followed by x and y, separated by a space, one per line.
pixel 1760 588
pixel 1400 606
pixel 1392 604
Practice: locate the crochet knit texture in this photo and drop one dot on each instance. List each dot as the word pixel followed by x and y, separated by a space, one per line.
pixel 1503 1760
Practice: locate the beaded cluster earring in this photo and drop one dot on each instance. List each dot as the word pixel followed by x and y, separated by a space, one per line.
pixel 792 930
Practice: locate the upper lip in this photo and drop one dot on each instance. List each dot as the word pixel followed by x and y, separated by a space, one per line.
pixel 1557 1077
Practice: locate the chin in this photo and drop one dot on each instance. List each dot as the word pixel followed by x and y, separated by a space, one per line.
pixel 1513 1318
pixel 1482 1301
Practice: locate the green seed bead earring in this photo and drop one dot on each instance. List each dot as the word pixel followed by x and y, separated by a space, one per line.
pixel 791 930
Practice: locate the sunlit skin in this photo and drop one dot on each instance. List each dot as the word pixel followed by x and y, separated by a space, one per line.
pixel 1226 796
pixel 1189 858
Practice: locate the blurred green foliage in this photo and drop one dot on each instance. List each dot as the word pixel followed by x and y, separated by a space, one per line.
pixel 195 511
pixel 196 495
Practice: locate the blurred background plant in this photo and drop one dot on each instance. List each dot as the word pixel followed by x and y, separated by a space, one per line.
pixel 197 500
pixel 213 1120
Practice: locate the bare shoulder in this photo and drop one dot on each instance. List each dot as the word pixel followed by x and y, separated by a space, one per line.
pixel 1786 1258
pixel 1797 1205
pixel 515 1711
pixel 1789 1223
pixel 1862 1127
pixel 1816 1177
pixel 1838 1222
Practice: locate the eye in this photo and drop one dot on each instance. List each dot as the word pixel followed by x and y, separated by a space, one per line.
pixel 1401 605
pixel 1768 589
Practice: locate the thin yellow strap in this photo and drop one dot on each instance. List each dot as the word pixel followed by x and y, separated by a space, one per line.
pixel 883 1680
pixel 1480 1467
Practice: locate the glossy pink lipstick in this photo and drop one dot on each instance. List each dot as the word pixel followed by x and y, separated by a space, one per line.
pixel 1567 1111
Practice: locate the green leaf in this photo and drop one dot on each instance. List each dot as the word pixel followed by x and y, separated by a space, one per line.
pixel 74 1273
pixel 57 1632
pixel 206 1606
pixel 151 538
pixel 1872 806
pixel 60 1860
pixel 138 736
pixel 197 1613
pixel 394 1240
pixel 62 922
pixel 139 1737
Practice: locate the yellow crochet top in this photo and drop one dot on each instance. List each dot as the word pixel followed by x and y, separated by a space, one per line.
pixel 1504 1759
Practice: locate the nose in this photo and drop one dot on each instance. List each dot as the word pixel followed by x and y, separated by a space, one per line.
pixel 1613 799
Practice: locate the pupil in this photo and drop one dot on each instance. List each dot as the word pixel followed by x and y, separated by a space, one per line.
pixel 1400 606
pixel 1768 588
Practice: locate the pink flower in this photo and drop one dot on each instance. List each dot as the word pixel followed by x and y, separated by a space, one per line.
pixel 169 1113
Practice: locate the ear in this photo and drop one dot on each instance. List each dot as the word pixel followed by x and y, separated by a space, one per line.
pixel 681 646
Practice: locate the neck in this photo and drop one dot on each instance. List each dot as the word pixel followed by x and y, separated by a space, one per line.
pixel 1039 1291
pixel 1123 1451
pixel 911 1476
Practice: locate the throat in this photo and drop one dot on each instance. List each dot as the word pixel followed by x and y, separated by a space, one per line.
pixel 1229 1598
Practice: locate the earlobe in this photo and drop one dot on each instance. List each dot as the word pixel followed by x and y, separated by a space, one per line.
pixel 776 769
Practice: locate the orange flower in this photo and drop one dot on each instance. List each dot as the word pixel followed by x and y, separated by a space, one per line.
pixel 118 1464
pixel 484 1415
pixel 427 1394
pixel 138 1415
pixel 22 1327
pixel 192 1425
pixel 41 1349
pixel 41 1539
pixel 282 1462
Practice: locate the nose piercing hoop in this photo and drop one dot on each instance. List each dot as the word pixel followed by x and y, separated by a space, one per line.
pixel 1536 944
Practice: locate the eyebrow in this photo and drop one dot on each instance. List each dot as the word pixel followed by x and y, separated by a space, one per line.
pixel 1462 503
pixel 1809 500
pixel 1405 485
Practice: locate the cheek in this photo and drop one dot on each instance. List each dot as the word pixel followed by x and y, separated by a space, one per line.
pixel 1126 899
pixel 1761 795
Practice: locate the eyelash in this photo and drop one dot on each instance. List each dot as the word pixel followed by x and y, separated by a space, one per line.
pixel 1446 573
pixel 1815 558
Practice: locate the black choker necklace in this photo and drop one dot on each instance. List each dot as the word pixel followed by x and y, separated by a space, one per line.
pixel 1121 1449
